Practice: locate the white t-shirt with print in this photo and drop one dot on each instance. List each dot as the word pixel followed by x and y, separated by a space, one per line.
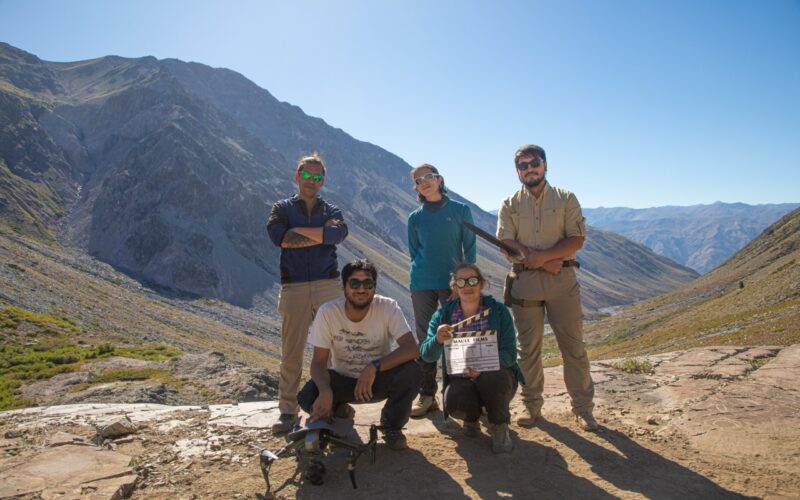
pixel 354 345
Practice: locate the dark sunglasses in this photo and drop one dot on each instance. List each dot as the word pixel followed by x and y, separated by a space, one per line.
pixel 355 284
pixel 525 165
pixel 308 175
pixel 473 281
pixel 425 178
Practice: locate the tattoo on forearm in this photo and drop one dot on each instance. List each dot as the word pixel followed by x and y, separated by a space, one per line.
pixel 295 240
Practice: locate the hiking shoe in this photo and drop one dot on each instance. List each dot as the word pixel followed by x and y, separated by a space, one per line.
pixel 395 440
pixel 471 429
pixel 285 423
pixel 345 411
pixel 586 421
pixel 423 405
pixel 501 439
pixel 529 417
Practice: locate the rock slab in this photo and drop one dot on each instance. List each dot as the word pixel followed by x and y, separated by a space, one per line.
pixel 70 471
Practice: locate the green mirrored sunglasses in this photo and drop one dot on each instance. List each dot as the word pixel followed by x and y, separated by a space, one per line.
pixel 308 175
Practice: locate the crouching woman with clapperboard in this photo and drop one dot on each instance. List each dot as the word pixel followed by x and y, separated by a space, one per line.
pixel 475 337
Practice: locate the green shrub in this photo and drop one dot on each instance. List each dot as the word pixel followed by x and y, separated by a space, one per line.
pixel 27 363
pixel 104 349
pixel 11 317
pixel 633 365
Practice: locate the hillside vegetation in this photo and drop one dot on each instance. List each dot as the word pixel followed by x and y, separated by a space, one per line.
pixel 751 299
pixel 99 305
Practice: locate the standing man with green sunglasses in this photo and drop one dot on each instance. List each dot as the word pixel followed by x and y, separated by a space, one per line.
pixel 307 229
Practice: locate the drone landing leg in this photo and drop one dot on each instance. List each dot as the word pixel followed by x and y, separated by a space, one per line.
pixel 351 467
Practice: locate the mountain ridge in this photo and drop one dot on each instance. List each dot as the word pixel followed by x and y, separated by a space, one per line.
pixel 169 176
pixel 698 236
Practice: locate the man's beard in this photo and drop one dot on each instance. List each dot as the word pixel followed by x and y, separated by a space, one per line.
pixel 533 182
pixel 359 306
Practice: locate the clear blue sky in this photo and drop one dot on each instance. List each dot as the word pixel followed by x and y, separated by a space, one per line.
pixel 638 103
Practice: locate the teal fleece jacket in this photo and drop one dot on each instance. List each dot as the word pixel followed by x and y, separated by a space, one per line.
pixel 499 320
pixel 438 242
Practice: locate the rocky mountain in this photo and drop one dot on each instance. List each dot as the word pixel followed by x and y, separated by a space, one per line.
pixel 166 170
pixel 700 236
pixel 751 299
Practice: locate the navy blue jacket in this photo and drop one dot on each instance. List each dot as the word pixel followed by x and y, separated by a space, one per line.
pixel 310 263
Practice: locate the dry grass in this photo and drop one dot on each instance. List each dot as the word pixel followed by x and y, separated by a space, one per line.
pixel 633 365
pixel 110 308
pixel 753 299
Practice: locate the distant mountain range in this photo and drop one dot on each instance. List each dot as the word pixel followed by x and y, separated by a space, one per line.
pixel 166 170
pixel 751 299
pixel 699 236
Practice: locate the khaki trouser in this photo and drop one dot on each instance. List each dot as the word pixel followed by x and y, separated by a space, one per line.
pixel 297 305
pixel 560 295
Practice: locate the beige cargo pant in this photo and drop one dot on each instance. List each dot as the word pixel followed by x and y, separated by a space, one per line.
pixel 560 297
pixel 297 305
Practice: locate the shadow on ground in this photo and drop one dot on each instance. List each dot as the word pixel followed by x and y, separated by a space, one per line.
pixel 631 467
pixel 408 468
pixel 532 470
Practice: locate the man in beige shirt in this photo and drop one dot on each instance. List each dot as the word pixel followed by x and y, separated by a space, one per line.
pixel 545 224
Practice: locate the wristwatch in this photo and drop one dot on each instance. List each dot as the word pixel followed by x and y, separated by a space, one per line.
pixel 377 364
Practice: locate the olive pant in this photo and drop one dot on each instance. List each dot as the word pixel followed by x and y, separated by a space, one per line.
pixel 297 305
pixel 559 297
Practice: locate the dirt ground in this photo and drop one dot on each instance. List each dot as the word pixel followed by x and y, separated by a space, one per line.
pixel 707 423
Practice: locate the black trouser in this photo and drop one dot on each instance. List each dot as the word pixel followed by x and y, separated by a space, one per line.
pixel 398 386
pixel 464 397
pixel 425 303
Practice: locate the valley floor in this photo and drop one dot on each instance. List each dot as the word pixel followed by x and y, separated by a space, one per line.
pixel 719 422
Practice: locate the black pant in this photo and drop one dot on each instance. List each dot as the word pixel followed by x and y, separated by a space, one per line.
pixel 464 397
pixel 398 386
pixel 425 303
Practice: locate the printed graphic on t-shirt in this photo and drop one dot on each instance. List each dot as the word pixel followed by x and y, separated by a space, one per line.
pixel 353 345
pixel 356 350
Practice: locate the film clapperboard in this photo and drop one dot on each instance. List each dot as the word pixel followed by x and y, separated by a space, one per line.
pixel 472 349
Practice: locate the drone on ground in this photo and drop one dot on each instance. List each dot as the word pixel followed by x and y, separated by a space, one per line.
pixel 309 444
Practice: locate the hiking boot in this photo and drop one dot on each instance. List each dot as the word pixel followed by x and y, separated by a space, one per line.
pixel 528 417
pixel 471 429
pixel 423 405
pixel 501 439
pixel 395 440
pixel 285 423
pixel 345 411
pixel 586 421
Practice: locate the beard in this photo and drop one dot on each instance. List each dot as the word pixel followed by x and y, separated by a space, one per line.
pixel 533 182
pixel 363 306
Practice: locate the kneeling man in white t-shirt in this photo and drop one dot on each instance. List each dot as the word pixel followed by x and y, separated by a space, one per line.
pixel 353 336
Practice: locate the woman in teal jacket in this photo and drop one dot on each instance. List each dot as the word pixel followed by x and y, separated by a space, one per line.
pixel 465 394
pixel 437 243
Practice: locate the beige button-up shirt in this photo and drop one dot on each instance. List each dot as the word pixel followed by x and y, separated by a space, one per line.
pixel 540 223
